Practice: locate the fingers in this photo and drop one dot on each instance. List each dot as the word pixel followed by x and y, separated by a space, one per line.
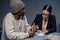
pixel 34 24
pixel 44 30
pixel 34 27
pixel 37 27
pixel 30 29
pixel 31 33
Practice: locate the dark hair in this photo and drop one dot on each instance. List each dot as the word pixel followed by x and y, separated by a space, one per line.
pixel 48 8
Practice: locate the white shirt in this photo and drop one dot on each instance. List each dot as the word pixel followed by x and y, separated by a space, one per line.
pixel 44 25
pixel 15 29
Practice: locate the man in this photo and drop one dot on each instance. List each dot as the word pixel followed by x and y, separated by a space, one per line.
pixel 45 21
pixel 15 23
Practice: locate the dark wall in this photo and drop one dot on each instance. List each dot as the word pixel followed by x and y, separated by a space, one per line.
pixel 4 8
pixel 33 7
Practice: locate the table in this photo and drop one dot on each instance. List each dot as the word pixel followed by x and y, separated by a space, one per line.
pixel 41 37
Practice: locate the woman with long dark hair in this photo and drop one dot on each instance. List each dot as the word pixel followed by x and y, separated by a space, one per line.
pixel 45 21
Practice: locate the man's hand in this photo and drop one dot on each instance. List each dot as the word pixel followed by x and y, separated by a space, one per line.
pixel 34 27
pixel 44 30
pixel 31 33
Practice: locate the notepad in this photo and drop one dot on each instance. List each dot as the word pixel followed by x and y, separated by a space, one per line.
pixel 39 33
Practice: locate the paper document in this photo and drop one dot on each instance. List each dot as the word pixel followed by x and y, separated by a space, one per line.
pixel 39 33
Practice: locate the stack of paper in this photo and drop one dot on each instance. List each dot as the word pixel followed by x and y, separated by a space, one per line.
pixel 39 33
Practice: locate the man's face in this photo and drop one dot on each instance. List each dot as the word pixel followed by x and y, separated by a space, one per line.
pixel 45 14
pixel 21 12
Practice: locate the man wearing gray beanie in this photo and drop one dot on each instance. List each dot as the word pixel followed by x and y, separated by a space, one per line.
pixel 15 25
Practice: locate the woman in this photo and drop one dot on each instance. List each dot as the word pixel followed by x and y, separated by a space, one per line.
pixel 45 21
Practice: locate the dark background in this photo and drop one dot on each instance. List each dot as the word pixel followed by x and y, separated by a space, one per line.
pixel 33 7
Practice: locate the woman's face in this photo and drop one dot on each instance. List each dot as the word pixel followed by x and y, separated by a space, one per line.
pixel 45 14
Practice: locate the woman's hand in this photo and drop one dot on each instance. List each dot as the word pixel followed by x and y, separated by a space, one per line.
pixel 44 30
pixel 34 27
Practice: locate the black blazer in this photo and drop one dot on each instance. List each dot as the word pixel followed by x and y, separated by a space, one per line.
pixel 51 26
